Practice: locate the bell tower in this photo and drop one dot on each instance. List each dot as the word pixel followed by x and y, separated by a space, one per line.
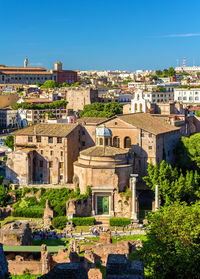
pixel 26 62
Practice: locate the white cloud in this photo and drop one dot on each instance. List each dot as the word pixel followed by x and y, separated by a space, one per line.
pixel 36 64
pixel 187 35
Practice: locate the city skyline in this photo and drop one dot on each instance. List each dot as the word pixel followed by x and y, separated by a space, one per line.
pixel 110 35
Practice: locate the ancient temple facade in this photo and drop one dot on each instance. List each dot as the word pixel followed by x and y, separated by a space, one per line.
pixel 107 170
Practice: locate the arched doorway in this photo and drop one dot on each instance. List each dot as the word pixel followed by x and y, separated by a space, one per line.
pixel 127 142
pixel 116 142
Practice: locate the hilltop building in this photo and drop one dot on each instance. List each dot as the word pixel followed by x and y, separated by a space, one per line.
pixel 28 75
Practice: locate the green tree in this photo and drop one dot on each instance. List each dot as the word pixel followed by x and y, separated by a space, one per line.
pixel 188 152
pixel 159 72
pixel 171 72
pixel 9 141
pixel 3 196
pixel 102 110
pixel 197 113
pixel 154 77
pixel 165 73
pixel 172 248
pixel 49 84
pixel 19 90
pixel 173 185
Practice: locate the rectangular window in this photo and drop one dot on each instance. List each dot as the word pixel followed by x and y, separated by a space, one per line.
pixel 50 139
pixel 142 135
pixel 41 152
pixel 51 152
pixel 83 143
pixel 59 140
pixel 61 177
pixel 150 135
pixel 30 139
pixel 61 153
pixel 150 147
pixel 61 165
pixel 50 164
pixel 38 138
pixel 41 164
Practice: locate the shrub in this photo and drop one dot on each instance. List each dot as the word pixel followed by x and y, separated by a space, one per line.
pixel 59 222
pixel 30 212
pixel 83 221
pixel 119 221
pixel 28 201
pixel 60 209
pixel 3 196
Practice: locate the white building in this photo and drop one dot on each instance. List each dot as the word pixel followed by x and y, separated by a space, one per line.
pixel 138 103
pixel 187 96
pixel 188 69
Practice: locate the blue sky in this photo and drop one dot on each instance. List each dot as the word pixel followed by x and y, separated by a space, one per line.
pixel 93 34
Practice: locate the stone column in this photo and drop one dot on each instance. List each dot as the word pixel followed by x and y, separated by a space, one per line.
pixel 133 188
pixel 93 204
pixel 157 197
pixel 112 204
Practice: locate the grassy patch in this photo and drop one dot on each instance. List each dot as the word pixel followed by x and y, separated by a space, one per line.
pixel 49 242
pixel 13 219
pixel 53 249
pixel 25 276
pixel 115 239
pixel 87 243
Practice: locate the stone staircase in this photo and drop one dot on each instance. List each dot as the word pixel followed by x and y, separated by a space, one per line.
pixel 102 220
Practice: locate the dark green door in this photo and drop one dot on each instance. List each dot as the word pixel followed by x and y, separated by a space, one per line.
pixel 102 205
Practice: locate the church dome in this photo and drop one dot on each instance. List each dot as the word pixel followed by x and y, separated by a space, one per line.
pixel 105 132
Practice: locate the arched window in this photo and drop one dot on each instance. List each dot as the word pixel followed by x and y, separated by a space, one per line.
pixel 138 97
pixel 135 107
pixel 140 107
pixel 116 142
pixel 127 142
pixel 106 141
pixel 100 141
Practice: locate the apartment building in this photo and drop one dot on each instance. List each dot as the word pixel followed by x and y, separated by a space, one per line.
pixel 46 152
pixel 8 118
pixel 187 96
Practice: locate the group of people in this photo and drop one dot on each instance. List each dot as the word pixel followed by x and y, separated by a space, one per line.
pixel 47 234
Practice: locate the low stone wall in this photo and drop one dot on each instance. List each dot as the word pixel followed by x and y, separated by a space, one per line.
pixel 122 206
pixel 17 267
pixel 101 251
pixel 79 207
pixel 3 264
pixel 6 211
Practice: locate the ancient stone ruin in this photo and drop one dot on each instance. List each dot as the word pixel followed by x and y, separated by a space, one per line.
pixel 48 215
pixel 17 233
pixel 3 264
pixel 66 270
pixel 119 267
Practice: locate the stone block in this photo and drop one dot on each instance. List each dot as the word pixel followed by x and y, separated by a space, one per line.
pixel 94 273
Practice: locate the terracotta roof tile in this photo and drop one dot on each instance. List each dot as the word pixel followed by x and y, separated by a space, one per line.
pixel 52 130
pixel 148 123
pixel 91 120
pixel 98 151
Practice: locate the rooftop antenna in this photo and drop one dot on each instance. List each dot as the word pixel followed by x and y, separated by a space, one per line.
pixel 177 62
pixel 184 62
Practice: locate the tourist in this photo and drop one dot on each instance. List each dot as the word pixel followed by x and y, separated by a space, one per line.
pixel 141 227
pixel 115 230
pixel 81 232
pixel 130 232
pixel 123 228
